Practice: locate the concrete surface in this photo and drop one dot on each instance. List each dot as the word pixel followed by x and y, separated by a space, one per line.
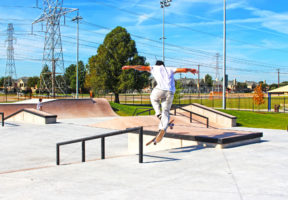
pixel 28 169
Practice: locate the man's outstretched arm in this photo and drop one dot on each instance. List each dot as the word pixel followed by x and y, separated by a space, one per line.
pixel 186 70
pixel 137 67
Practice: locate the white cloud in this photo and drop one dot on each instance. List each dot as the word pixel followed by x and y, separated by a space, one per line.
pixel 144 18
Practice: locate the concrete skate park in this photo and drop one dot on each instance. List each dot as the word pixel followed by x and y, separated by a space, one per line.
pixel 205 156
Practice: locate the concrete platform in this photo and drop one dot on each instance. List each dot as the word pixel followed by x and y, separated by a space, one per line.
pixel 183 134
pixel 31 115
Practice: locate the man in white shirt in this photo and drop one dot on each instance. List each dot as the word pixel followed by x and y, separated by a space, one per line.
pixel 164 91
pixel 39 105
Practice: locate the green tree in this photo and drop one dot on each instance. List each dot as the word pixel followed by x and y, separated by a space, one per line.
pixel 273 86
pixel 241 86
pixel 105 69
pixel 1 81
pixel 70 76
pixel 264 86
pixel 177 94
pixel 33 81
pixel 208 80
pixel 45 79
pixel 284 83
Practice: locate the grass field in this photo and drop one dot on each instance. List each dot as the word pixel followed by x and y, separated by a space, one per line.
pixel 128 110
pixel 235 102
pixel 260 119
pixel 244 118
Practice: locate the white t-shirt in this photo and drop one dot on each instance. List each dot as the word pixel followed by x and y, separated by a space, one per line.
pixel 164 77
pixel 39 105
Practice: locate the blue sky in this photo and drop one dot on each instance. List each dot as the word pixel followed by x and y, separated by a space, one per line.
pixel 257 34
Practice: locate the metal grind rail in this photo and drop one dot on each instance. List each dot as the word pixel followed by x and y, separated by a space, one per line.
pixel 192 113
pixel 2 114
pixel 102 137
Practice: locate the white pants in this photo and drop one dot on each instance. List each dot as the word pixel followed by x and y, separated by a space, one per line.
pixel 166 98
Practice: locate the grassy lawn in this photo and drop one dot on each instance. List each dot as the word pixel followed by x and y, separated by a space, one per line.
pixel 260 119
pixel 244 118
pixel 125 110
pixel 236 103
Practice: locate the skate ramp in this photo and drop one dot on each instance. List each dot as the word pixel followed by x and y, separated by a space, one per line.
pixel 66 108
pixel 79 108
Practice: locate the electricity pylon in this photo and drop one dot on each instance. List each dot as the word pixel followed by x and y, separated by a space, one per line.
pixel 53 62
pixel 10 72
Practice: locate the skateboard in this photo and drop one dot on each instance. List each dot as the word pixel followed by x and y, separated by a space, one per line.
pixel 160 135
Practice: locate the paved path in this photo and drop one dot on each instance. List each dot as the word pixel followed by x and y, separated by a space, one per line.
pixel 28 170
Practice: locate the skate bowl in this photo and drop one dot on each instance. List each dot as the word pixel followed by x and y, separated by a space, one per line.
pixel 65 108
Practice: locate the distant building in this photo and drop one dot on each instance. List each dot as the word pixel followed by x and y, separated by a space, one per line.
pixel 251 85
pixel 22 83
pixel 232 85
pixel 217 85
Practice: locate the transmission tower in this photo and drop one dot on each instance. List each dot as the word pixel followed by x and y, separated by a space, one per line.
pixel 10 72
pixel 53 62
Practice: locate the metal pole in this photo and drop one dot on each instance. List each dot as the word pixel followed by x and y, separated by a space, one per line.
pixel 2 119
pixel 141 145
pixel 278 77
pixel 163 38
pixel 58 154
pixel 224 59
pixel 77 64
pixel 83 151
pixel 164 3
pixel 103 148
pixel 198 81
pixel 284 104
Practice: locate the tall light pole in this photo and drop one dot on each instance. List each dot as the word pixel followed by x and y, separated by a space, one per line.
pixel 278 77
pixel 224 59
pixel 77 18
pixel 164 3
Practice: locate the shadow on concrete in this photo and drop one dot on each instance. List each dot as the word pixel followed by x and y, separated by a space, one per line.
pixel 187 149
pixel 10 124
pixel 161 159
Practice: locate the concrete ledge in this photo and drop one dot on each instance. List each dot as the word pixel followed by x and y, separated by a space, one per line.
pixel 33 116
pixel 173 140
pixel 216 118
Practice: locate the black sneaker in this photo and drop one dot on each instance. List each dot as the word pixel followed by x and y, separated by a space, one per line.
pixel 159 116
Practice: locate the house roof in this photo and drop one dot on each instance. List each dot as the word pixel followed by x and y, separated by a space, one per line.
pixel 279 90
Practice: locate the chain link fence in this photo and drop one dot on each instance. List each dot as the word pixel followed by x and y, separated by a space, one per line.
pixel 233 101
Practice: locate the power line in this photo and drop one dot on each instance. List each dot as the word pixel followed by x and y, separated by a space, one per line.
pixel 189 28
pixel 232 59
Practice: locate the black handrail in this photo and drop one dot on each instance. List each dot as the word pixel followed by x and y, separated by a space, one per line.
pixel 147 110
pixel 102 136
pixel 2 114
pixel 207 119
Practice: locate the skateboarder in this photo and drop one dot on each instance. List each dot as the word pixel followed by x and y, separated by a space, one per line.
pixel 164 91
